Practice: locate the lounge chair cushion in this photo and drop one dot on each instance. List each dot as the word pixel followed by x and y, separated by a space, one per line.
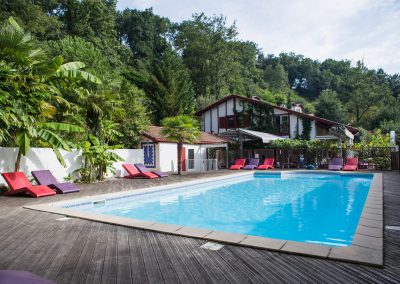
pixel 238 164
pixel 45 177
pixel 134 173
pixel 143 169
pixel 19 184
pixel 268 164
pixel 252 164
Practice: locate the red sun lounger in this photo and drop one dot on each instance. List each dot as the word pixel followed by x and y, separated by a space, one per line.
pixel 238 165
pixel 351 164
pixel 45 177
pixel 143 169
pixel 268 164
pixel 19 184
pixel 134 172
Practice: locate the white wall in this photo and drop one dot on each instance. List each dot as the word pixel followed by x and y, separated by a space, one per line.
pixel 44 158
pixel 167 157
pixel 239 105
pixel 313 132
pixel 207 121
pixel 229 105
pixel 214 121
pixel 130 156
pixel 293 125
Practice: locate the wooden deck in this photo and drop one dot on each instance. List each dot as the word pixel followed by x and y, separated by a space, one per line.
pixel 80 251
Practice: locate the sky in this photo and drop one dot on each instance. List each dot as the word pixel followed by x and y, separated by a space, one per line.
pixel 367 30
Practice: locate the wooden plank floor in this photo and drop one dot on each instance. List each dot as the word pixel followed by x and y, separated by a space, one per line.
pixel 79 251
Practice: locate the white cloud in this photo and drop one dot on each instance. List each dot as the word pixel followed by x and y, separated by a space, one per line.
pixel 340 29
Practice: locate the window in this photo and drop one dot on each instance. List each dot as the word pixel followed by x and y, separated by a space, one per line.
pixel 322 131
pixel 282 124
pixel 231 122
pixel 228 122
pixel 191 159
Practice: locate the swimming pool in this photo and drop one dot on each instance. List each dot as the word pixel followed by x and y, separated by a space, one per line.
pixel 320 208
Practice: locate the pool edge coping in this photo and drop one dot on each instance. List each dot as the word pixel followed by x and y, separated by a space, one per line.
pixel 366 248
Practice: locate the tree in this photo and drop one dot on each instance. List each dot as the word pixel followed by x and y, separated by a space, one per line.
pixel 144 33
pixel 276 78
pixel 114 111
pixel 169 88
pixel 29 90
pixel 391 125
pixel 38 16
pixel 330 107
pixel 181 129
pixel 365 94
pixel 205 45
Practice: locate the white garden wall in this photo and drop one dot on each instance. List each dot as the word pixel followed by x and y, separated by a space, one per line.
pixel 167 157
pixel 44 158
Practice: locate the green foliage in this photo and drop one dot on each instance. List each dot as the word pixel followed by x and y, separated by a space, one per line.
pixel 391 125
pixel 303 144
pixel 136 117
pixel 169 88
pixel 36 16
pixel 98 160
pixel 144 33
pixel 28 91
pixel 276 78
pixel 376 139
pixel 306 133
pixel 218 64
pixel 375 148
pixel 329 106
pixel 260 115
pixel 309 108
pixel 181 129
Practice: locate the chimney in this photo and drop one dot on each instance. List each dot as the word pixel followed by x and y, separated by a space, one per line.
pixel 298 108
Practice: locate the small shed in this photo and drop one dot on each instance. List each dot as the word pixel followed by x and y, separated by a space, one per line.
pixel 203 155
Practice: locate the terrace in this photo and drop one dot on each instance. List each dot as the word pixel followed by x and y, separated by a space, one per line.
pixel 76 250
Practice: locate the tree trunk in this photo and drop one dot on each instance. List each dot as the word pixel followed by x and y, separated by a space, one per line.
pixel 180 145
pixel 18 161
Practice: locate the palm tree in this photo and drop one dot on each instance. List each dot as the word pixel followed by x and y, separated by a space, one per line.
pixel 181 129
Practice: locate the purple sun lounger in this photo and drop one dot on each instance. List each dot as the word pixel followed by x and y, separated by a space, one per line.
pixel 45 177
pixel 21 277
pixel 143 169
pixel 253 163
pixel 336 164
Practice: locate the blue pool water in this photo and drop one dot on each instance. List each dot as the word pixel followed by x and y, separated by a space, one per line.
pixel 305 207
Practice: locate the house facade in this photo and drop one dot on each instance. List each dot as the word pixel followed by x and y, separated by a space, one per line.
pixel 161 153
pixel 229 113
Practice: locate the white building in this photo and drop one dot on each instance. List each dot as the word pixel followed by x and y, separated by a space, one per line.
pixel 229 113
pixel 161 153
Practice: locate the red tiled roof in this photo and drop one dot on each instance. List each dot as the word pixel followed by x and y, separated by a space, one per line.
pixel 154 133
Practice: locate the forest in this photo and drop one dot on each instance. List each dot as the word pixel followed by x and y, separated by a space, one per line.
pixel 80 68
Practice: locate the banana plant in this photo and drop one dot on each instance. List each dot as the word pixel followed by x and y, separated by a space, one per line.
pixel 98 159
pixel 43 133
